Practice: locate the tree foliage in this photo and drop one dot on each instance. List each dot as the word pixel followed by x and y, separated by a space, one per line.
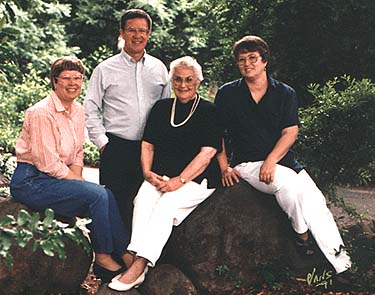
pixel 310 41
pixel 337 136
pixel 32 37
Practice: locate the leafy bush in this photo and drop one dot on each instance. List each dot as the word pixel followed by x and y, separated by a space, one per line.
pixel 337 137
pixel 91 154
pixel 15 99
pixel 46 234
pixel 7 165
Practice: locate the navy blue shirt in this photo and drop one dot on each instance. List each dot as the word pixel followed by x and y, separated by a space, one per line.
pixel 253 129
pixel 176 147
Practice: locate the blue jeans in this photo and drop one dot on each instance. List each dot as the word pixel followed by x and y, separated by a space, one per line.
pixel 71 198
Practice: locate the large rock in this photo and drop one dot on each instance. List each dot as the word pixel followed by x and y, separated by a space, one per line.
pixel 231 235
pixel 104 290
pixel 164 279
pixel 36 273
pixel 167 279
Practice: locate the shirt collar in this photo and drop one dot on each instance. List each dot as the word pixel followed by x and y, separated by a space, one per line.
pixel 271 82
pixel 129 59
pixel 59 106
pixel 56 102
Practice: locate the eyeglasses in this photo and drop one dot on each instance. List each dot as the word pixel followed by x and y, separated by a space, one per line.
pixel 134 30
pixel 68 79
pixel 179 80
pixel 251 58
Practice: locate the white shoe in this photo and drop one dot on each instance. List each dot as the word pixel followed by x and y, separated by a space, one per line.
pixel 119 286
pixel 116 278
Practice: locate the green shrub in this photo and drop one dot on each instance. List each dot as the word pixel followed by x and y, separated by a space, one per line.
pixel 337 137
pixel 91 154
pixel 16 98
pixel 47 234
pixel 7 165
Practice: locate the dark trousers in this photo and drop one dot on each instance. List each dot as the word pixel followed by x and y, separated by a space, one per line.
pixel 121 172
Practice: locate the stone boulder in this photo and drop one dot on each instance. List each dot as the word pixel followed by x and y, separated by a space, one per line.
pixel 36 273
pixel 167 279
pixel 231 235
pixel 160 280
pixel 104 290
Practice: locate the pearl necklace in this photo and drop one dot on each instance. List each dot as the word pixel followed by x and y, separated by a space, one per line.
pixel 192 110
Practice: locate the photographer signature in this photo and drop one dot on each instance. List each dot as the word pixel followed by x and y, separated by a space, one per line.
pixel 315 279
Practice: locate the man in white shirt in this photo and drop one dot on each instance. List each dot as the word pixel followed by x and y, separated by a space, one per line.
pixel 120 95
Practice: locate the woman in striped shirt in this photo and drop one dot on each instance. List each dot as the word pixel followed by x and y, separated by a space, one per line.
pixel 49 170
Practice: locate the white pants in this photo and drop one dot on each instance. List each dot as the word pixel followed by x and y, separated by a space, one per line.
pixel 155 213
pixel 305 205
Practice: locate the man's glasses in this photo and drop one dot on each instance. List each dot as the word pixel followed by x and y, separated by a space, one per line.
pixel 134 30
pixel 179 80
pixel 251 58
pixel 68 79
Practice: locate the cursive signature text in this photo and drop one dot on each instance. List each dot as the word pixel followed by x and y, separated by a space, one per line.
pixel 319 279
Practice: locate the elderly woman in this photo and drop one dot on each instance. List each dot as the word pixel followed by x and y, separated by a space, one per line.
pixel 49 170
pixel 179 143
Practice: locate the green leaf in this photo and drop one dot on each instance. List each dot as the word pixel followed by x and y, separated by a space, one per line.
pixel 49 218
pixel 8 258
pixel 5 243
pixel 23 217
pixel 34 221
pixel 10 11
pixel 10 231
pixel 70 233
pixel 11 31
pixel 24 237
pixel 3 21
pixel 7 220
pixel 47 248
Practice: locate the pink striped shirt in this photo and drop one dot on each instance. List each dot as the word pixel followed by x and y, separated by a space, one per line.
pixel 52 138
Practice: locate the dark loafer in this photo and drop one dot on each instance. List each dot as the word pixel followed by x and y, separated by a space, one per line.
pixel 106 275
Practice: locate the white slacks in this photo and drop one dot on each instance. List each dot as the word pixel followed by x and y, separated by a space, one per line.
pixel 305 205
pixel 155 214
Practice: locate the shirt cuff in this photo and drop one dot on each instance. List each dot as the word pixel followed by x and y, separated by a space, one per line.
pixel 78 164
pixel 102 141
pixel 61 173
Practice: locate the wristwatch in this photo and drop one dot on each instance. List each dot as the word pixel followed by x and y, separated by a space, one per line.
pixel 183 180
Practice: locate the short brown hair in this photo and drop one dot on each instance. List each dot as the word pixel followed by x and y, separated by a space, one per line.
pixel 135 13
pixel 249 44
pixel 65 63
